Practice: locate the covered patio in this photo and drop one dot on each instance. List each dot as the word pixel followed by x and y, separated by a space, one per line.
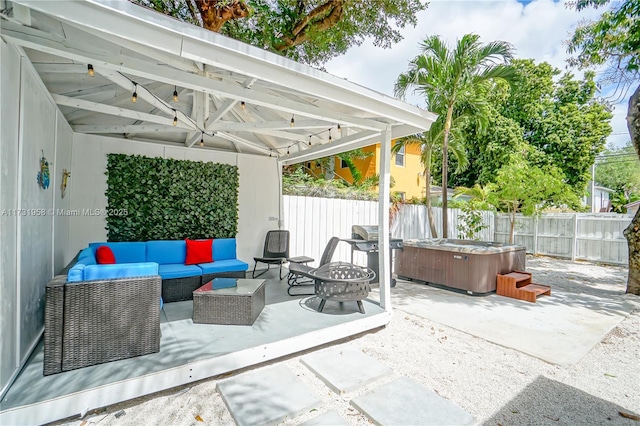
pixel 69 73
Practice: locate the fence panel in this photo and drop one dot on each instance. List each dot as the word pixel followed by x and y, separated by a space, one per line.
pixel 312 221
pixel 602 239
pixel 555 236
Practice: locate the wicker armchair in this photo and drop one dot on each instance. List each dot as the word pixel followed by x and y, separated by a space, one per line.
pixel 93 322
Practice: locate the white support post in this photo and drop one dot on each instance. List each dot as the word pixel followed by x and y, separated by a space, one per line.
pixel 535 235
pixel 384 259
pixel 574 240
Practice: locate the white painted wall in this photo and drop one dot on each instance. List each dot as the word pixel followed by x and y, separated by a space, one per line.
pixel 258 197
pixel 31 126
pixel 9 122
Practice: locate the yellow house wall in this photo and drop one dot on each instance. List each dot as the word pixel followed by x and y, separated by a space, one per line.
pixel 407 178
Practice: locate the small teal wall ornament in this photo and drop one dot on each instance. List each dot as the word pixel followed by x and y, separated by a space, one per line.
pixel 43 174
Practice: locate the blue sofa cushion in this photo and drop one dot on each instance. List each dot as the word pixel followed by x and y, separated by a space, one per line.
pixel 76 273
pixel 177 270
pixel 167 252
pixel 119 270
pixel 126 252
pixel 224 249
pixel 227 265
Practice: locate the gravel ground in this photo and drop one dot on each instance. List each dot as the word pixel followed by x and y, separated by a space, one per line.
pixel 497 385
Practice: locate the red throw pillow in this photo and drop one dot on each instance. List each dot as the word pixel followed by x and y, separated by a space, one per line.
pixel 199 251
pixel 104 256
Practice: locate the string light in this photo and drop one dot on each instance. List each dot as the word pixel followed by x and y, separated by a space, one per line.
pixel 338 126
pixel 330 136
pixel 293 121
pixel 309 140
pixel 134 96
pixel 202 139
pixel 175 117
pixel 175 93
pixel 269 153
pixel 90 70
pixel 288 150
pixel 243 105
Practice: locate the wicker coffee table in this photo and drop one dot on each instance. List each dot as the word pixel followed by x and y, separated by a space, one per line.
pixel 239 305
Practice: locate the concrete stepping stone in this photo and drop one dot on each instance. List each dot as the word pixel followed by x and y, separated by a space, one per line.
pixel 330 418
pixel 345 369
pixel 267 396
pixel 405 402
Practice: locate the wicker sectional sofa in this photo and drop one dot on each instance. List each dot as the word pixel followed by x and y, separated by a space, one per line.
pixel 102 313
pixel 178 280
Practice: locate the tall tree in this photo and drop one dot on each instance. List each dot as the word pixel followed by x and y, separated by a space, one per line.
pixel 554 117
pixel 523 188
pixel 449 76
pixel 614 40
pixel 428 142
pixel 310 31
pixel 619 169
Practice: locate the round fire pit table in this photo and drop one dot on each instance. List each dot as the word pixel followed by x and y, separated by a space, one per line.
pixel 342 282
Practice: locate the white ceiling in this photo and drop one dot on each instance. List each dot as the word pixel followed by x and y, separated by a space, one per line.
pixel 213 76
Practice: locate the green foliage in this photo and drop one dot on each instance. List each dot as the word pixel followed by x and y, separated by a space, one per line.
pixel 296 182
pixel 310 31
pixel 471 221
pixel 620 200
pixel 523 188
pixel 547 118
pixel 614 39
pixel 619 169
pixel 170 199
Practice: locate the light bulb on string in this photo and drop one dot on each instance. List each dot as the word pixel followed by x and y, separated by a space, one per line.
pixel 293 121
pixel 202 140
pixel 175 117
pixel 175 93
pixel 309 140
pixel 90 70
pixel 288 151
pixel 134 95
pixel 243 105
pixel 339 126
pixel 330 139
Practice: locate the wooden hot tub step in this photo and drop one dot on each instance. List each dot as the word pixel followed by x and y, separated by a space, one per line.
pixel 517 285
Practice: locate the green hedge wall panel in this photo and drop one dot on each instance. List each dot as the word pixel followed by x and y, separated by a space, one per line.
pixel 166 199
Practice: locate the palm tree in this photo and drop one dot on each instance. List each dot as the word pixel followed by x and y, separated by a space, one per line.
pixel 427 142
pixel 446 77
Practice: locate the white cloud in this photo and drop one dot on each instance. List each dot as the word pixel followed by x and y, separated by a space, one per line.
pixel 538 30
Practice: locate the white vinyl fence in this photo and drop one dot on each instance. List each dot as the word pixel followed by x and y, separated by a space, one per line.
pixel 594 237
pixel 313 221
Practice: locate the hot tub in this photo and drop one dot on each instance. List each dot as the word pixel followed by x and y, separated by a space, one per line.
pixel 463 265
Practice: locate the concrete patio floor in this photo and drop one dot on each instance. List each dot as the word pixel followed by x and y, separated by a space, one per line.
pixel 560 329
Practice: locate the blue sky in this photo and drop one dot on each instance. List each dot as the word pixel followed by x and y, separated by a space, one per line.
pixel 537 29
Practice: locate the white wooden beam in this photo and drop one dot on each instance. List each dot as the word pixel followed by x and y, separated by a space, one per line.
pixel 237 139
pixel 119 112
pixel 127 128
pixel 345 144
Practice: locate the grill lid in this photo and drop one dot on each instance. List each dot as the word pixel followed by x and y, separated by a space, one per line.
pixel 365 232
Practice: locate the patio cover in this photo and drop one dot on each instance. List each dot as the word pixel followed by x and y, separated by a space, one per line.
pixel 231 95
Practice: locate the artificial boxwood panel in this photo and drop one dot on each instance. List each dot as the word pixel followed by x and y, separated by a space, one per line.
pixel 166 199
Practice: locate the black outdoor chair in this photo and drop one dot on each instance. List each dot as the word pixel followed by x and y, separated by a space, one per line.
pixel 299 272
pixel 276 251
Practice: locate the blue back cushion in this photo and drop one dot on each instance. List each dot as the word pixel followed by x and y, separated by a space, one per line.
pixel 166 252
pixel 224 248
pixel 125 252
